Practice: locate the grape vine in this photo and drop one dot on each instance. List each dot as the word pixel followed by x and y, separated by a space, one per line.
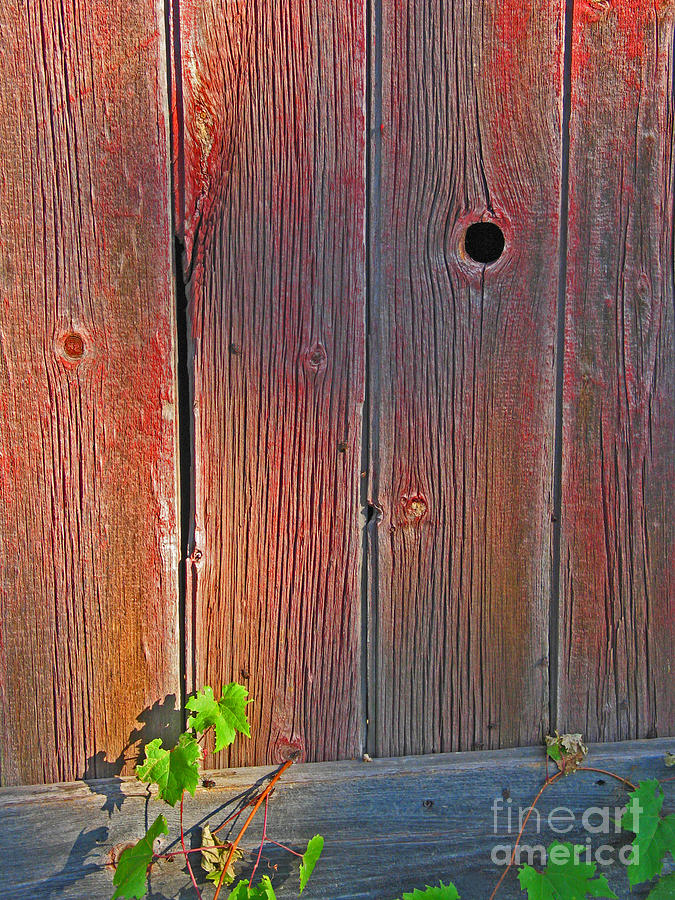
pixel 566 876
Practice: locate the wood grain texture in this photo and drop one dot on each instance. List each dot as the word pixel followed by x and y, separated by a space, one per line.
pixel 617 619
pixel 388 825
pixel 274 187
pixel 462 377
pixel 88 583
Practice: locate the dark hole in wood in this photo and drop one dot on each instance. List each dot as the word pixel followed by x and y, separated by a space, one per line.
pixel 484 242
pixel 600 781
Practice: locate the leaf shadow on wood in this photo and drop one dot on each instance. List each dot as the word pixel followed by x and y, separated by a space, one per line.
pixel 108 785
pixel 161 720
pixel 76 866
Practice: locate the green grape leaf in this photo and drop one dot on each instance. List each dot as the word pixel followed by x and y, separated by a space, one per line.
pixel 440 892
pixel 227 715
pixel 664 889
pixel 213 861
pixel 131 874
pixel 261 891
pixel 565 876
pixel 553 750
pixel 654 834
pixel 309 859
pixel 174 771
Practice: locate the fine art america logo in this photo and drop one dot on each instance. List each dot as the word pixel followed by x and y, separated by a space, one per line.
pixel 594 821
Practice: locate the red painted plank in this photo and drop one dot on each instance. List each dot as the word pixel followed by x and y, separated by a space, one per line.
pixel 273 96
pixel 463 379
pixel 88 571
pixel 617 624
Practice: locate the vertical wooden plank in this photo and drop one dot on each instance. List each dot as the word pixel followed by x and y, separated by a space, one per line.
pixel 463 372
pixel 273 94
pixel 88 572
pixel 617 622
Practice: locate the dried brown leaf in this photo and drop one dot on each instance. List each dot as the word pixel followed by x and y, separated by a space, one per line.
pixel 567 750
pixel 213 861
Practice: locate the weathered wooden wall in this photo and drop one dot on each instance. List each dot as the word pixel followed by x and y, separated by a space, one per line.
pixel 273 97
pixel 617 598
pixel 88 569
pixel 429 497
pixel 462 367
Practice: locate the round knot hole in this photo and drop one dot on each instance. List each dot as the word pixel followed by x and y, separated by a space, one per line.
pixel 484 242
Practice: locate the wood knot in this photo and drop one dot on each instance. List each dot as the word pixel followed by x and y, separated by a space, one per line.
pixel 73 344
pixel 316 358
pixel 598 8
pixel 414 508
pixel 70 348
pixel 644 287
pixel 115 852
pixel 289 748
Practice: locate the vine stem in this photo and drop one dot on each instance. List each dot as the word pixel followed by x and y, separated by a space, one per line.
pixel 203 734
pixel 284 847
pixel 192 850
pixel 605 772
pixel 547 783
pixel 248 821
pixel 182 843
pixel 262 841
pixel 234 815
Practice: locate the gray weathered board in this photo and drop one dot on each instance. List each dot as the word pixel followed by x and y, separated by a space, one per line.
pixel 389 824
